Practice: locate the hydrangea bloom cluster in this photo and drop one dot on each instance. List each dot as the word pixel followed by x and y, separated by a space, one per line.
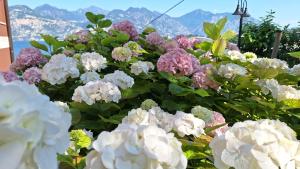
pixel 121 54
pixel 9 76
pixel 28 57
pixel 178 61
pixel 279 92
pixel 136 147
pixel 89 76
pixel 188 124
pixel 82 36
pixel 250 56
pixel 33 129
pixel 59 69
pixel 155 39
pixel 295 70
pixel 93 61
pixel 120 79
pixel 170 45
pixel 231 70
pixel 264 144
pixel 211 119
pixel 265 63
pixel 97 91
pixel 135 48
pixel 128 28
pixel 235 55
pixel 201 78
pixel 184 42
pixel 33 75
pixel 141 67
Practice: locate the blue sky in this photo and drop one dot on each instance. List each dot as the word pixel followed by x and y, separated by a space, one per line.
pixel 287 11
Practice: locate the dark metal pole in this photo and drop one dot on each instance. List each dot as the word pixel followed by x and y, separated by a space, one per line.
pixel 240 31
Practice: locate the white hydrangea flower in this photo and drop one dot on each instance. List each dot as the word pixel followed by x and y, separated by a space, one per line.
pixel 139 117
pixel 63 106
pixel 164 120
pixel 188 124
pixel 59 68
pixel 295 70
pixel 96 91
pixel 266 63
pixel 120 79
pixel 93 61
pixel 32 128
pixel 89 76
pixel 250 56
pixel 264 144
pixel 279 92
pixel 235 55
pixel 141 67
pixel 231 70
pixel 136 147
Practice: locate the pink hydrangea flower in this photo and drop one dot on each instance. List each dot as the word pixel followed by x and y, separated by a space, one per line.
pixel 170 45
pixel 201 78
pixel 28 57
pixel 83 36
pixel 232 46
pixel 155 39
pixel 178 61
pixel 32 75
pixel 183 42
pixel 126 27
pixel 10 76
pixel 217 119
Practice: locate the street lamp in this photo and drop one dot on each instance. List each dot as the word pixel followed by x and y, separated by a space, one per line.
pixel 242 11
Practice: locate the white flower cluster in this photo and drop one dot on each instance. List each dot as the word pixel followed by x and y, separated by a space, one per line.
pixel 136 147
pixel 32 128
pixel 93 61
pixel 141 67
pixel 89 76
pixel 182 123
pixel 235 55
pixel 96 91
pixel 264 144
pixel 59 68
pixel 231 70
pixel 250 56
pixel 279 92
pixel 295 70
pixel 188 124
pixel 267 63
pixel 120 79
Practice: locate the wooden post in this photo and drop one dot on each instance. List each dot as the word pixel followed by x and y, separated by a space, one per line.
pixel 5 37
pixel 278 36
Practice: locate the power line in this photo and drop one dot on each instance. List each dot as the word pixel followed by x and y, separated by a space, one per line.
pixel 165 12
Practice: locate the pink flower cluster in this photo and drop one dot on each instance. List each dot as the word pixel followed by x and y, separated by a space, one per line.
pixel 155 39
pixel 28 57
pixel 9 76
pixel 201 78
pixel 170 45
pixel 217 119
pixel 178 61
pixel 183 41
pixel 32 75
pixel 126 27
pixel 83 36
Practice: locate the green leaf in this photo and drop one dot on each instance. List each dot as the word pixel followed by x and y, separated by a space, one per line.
pixel 104 23
pixel 211 30
pixel 80 47
pixel 229 35
pixel 50 40
pixel 112 119
pixel 292 103
pixel 221 24
pixel 178 90
pixel 295 54
pixel 210 129
pixel 38 45
pixel 76 115
pixel 169 77
pixel 219 46
pixel 91 17
pixel 201 92
pixel 206 46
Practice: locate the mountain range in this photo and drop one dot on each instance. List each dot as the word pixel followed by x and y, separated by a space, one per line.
pixel 28 24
